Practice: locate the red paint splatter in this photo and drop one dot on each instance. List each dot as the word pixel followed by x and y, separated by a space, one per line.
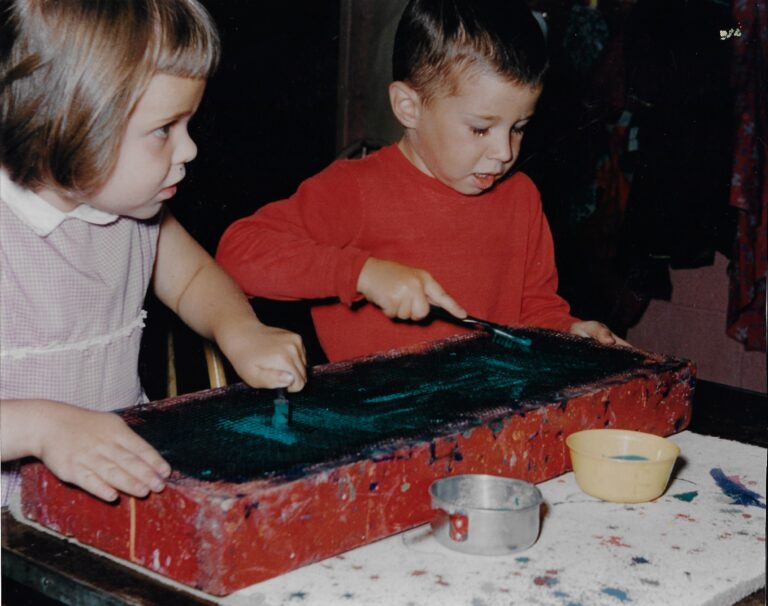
pixel 418 573
pixel 545 581
pixel 746 516
pixel 552 571
pixel 374 577
pixel 612 540
pixel 685 516
pixel 441 581
pixel 725 535
pixel 356 567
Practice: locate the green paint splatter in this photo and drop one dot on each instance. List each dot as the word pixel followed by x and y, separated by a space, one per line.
pixel 686 496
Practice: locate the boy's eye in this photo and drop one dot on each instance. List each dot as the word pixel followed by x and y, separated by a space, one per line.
pixel 480 132
pixel 518 130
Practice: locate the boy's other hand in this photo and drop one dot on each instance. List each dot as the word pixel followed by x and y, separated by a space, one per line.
pixel 403 292
pixel 597 331
pixel 98 452
pixel 265 356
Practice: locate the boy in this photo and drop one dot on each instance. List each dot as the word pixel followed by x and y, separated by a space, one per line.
pixel 436 218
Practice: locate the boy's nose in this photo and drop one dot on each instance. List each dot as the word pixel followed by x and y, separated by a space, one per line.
pixel 503 149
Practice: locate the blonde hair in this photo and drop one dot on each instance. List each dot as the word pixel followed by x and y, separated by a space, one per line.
pixel 73 72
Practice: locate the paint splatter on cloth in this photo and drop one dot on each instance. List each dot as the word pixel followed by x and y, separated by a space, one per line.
pixel 685 552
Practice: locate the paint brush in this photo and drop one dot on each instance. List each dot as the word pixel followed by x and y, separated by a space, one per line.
pixel 282 411
pixel 502 335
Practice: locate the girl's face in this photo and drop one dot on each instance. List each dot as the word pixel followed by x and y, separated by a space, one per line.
pixel 152 154
pixel 469 140
pixel 154 149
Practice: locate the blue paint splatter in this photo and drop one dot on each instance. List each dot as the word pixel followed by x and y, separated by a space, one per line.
pixel 630 457
pixel 686 496
pixel 740 494
pixel 560 594
pixel 523 559
pixel 298 595
pixel 616 593
pixel 639 560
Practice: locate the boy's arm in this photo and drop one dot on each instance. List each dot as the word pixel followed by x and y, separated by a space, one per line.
pixel 188 281
pixel 302 247
pixel 95 450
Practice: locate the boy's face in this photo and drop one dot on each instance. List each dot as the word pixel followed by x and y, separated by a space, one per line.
pixel 469 140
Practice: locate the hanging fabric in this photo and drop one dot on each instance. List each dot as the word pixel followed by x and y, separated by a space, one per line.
pixel 749 186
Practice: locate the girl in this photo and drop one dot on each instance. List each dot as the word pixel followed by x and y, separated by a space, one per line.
pixel 95 100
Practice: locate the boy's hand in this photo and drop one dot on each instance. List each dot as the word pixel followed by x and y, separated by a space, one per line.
pixel 403 292
pixel 597 331
pixel 265 356
pixel 98 452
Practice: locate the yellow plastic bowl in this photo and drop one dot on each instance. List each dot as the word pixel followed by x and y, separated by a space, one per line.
pixel 621 466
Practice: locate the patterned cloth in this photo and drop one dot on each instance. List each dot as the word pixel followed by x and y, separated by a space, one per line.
pixel 72 286
pixel 749 186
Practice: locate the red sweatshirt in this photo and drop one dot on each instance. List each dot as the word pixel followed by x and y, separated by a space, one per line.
pixel 493 253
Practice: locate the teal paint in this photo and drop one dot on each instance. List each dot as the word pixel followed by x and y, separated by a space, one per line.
pixel 686 496
pixel 630 457
pixel 256 426
pixel 365 409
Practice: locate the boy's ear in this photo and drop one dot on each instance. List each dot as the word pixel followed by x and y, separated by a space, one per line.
pixel 406 104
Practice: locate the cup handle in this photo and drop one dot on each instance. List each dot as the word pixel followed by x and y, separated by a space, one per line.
pixel 458 528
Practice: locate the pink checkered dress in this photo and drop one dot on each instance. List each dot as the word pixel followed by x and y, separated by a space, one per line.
pixel 72 287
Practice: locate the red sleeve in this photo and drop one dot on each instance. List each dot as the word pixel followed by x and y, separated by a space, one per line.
pixel 300 248
pixel 541 305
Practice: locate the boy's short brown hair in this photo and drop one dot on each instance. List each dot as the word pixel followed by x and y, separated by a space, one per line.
pixel 437 39
pixel 71 72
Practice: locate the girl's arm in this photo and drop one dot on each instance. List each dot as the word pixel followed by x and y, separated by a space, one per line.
pixel 189 282
pixel 95 450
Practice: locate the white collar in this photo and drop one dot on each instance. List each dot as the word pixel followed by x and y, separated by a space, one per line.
pixel 40 216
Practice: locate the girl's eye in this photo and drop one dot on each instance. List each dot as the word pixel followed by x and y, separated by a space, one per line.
pixel 480 132
pixel 518 130
pixel 163 131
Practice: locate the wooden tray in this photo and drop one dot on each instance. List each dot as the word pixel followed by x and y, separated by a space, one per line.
pixel 248 501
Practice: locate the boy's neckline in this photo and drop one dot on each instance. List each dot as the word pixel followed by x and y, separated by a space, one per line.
pixel 433 183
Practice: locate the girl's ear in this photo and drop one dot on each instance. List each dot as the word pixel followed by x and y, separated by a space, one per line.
pixel 406 104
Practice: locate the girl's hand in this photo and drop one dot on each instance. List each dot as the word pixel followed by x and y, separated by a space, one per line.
pixel 597 331
pixel 403 292
pixel 265 356
pixel 98 452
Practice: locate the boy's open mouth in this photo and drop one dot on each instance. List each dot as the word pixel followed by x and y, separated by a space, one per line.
pixel 484 180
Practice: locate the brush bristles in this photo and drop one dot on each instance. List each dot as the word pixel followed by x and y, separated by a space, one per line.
pixel 510 341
